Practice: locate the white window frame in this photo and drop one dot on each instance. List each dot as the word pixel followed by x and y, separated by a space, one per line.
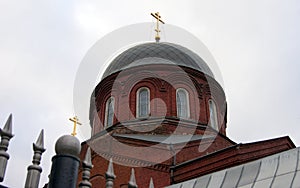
pixel 214 123
pixel 138 102
pixel 106 112
pixel 187 100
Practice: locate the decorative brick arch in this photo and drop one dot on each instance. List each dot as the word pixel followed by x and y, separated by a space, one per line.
pixel 162 81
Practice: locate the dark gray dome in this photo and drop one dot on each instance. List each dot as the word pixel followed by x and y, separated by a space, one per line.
pixel 157 53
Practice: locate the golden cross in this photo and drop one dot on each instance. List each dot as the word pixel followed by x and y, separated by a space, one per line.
pixel 76 122
pixel 157 17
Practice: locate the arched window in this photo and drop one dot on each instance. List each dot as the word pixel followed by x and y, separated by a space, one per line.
pixel 213 116
pixel 109 112
pixel 143 102
pixel 182 103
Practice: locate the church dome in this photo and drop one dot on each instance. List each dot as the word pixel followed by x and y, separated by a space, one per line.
pixel 157 53
pixel 145 82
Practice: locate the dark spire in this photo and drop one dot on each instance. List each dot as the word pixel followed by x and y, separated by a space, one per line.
pixel 34 170
pixel 6 135
pixel 151 185
pixel 7 129
pixel 132 181
pixel 87 166
pixel 110 175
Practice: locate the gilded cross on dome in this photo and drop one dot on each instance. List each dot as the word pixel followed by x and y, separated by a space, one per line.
pixel 157 17
pixel 76 122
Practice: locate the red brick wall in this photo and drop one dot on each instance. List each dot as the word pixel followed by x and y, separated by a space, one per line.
pixel 160 170
pixel 143 175
pixel 162 81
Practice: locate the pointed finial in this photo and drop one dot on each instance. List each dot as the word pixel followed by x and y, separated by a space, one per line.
pixel 34 171
pixel 87 166
pixel 6 135
pixel 88 159
pixel 132 181
pixel 110 175
pixel 39 144
pixel 110 169
pixel 7 129
pixel 151 185
pixel 157 17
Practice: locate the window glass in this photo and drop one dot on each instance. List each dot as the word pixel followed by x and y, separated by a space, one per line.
pixel 182 103
pixel 109 116
pixel 213 119
pixel 143 102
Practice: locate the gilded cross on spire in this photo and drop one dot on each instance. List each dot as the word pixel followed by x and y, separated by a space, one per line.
pixel 157 17
pixel 76 122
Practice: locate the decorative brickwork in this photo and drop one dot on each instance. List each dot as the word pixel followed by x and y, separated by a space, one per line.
pixel 162 81
pixel 162 146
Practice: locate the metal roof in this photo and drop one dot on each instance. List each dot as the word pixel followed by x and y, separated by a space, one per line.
pixel 158 53
pixel 279 170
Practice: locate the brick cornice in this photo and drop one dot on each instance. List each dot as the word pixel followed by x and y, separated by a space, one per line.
pixel 229 157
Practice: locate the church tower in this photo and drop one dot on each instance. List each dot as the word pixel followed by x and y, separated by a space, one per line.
pixel 159 109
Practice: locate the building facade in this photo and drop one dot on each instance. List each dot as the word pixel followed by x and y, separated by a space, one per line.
pixel 158 109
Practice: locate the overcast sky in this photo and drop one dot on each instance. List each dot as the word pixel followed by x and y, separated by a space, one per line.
pixel 42 43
